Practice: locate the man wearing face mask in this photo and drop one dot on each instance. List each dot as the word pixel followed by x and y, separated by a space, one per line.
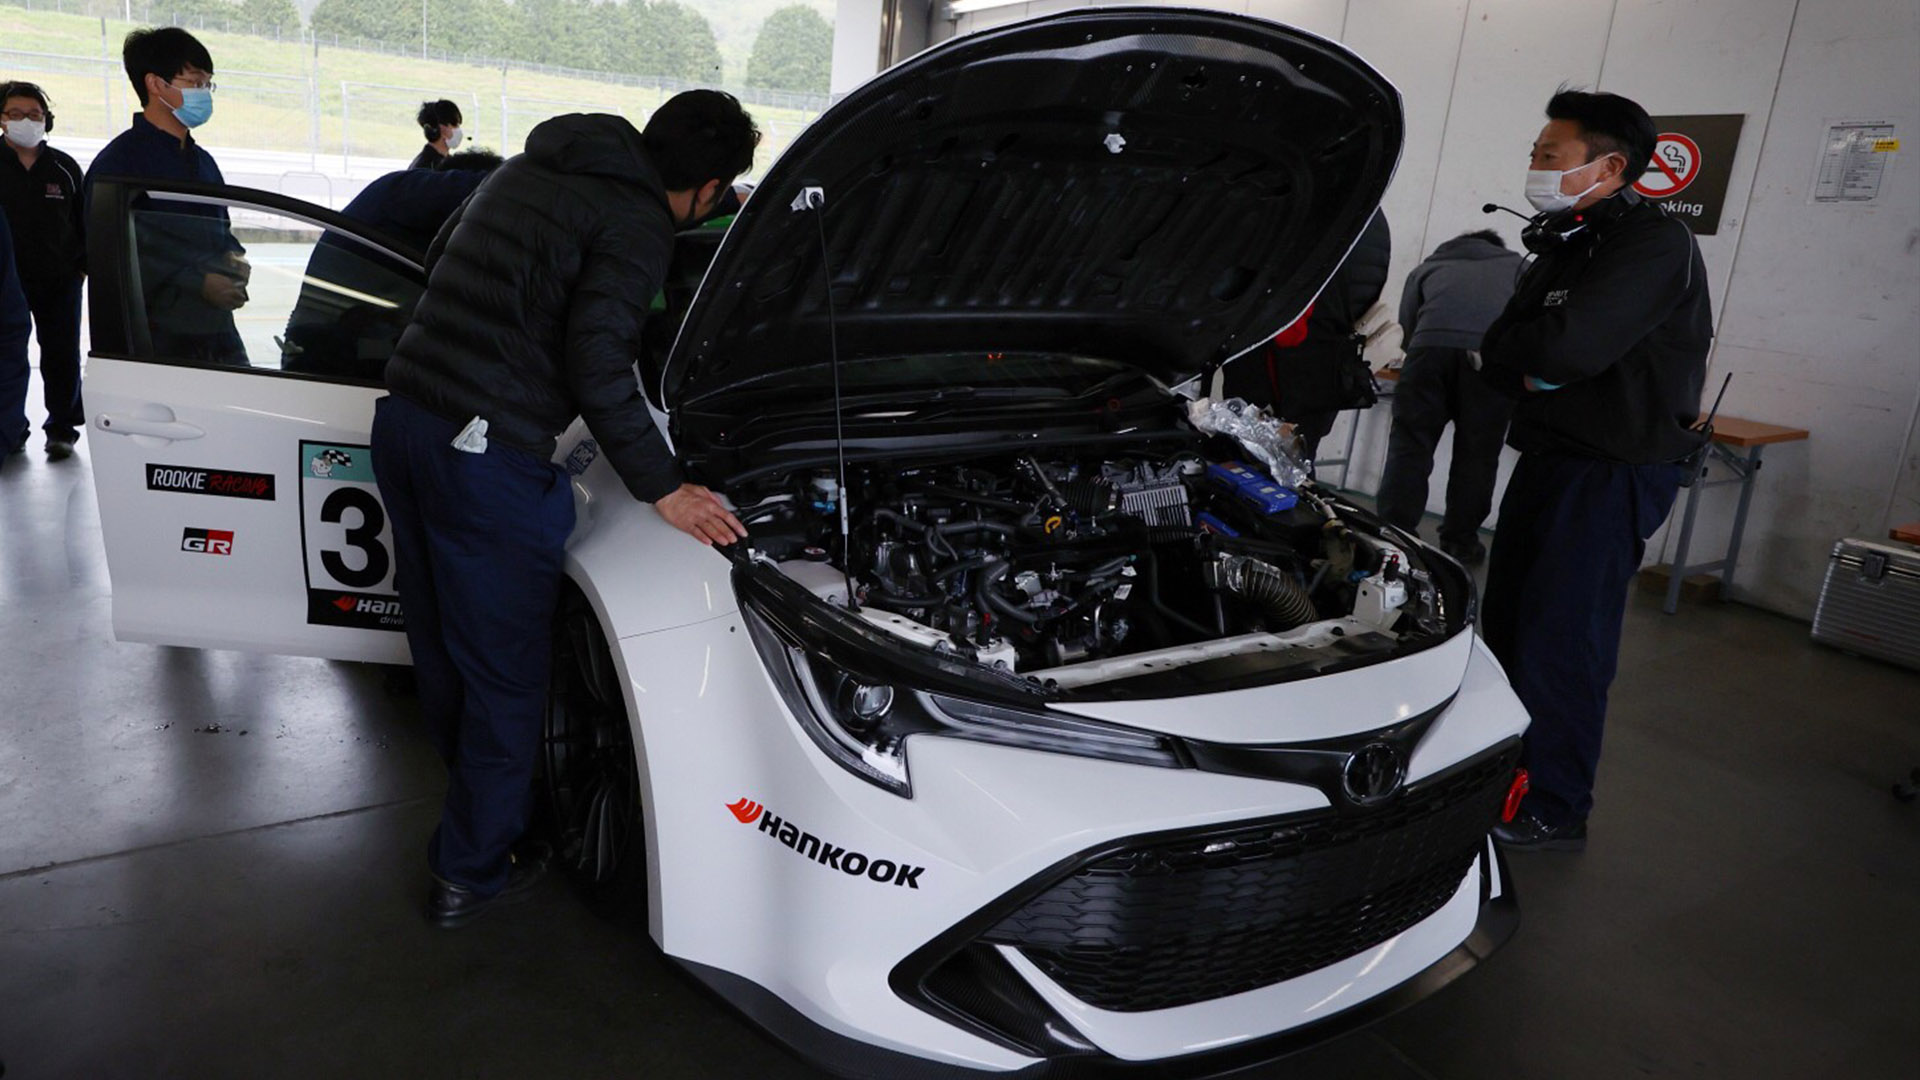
pixel 40 194
pixel 192 269
pixel 1604 346
pixel 440 125
pixel 537 289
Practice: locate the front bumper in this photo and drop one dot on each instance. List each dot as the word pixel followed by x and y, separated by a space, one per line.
pixel 1498 919
pixel 753 836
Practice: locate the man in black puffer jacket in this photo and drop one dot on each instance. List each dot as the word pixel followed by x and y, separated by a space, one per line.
pixel 536 291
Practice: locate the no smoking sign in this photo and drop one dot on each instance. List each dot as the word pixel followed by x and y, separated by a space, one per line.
pixel 1675 164
pixel 1691 164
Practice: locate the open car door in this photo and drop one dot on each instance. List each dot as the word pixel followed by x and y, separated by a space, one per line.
pixel 230 443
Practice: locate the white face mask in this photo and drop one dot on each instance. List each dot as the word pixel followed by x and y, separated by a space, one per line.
pixel 26 134
pixel 1544 187
pixel 455 138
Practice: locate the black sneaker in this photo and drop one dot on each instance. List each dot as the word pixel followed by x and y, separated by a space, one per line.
pixel 1528 833
pixel 451 906
pixel 59 449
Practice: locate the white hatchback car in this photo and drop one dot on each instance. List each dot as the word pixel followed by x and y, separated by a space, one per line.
pixel 1033 731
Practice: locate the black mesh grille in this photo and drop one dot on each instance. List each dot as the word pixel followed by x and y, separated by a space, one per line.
pixel 1223 911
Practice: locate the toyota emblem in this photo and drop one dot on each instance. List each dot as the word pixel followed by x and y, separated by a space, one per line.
pixel 1374 773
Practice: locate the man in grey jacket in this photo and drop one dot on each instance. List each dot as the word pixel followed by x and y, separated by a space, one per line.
pixel 1445 309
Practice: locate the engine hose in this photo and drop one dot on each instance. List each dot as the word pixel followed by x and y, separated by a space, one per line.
pixel 974 563
pixel 980 500
pixel 945 529
pixel 983 591
pixel 1271 588
pixel 1089 498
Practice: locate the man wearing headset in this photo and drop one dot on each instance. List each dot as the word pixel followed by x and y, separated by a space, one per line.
pixel 1604 345
pixel 41 198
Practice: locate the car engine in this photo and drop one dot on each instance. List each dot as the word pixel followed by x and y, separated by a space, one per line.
pixel 1038 563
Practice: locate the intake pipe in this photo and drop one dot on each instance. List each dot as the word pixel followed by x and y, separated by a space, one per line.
pixel 1266 586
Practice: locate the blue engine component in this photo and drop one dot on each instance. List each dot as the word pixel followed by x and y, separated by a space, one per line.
pixel 1252 487
pixel 1213 524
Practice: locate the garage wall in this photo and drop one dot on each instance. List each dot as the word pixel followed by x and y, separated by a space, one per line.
pixel 1818 306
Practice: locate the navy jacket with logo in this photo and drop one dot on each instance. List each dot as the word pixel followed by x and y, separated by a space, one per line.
pixel 47 211
pixel 1620 319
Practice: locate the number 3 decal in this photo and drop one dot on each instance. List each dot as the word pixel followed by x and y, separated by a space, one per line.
pixel 345 540
pixel 365 537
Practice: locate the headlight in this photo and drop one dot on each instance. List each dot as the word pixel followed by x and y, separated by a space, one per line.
pixel 864 723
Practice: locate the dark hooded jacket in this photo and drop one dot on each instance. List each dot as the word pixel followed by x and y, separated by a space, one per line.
pixel 536 291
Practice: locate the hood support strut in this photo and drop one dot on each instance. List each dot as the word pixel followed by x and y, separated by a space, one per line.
pixel 815 199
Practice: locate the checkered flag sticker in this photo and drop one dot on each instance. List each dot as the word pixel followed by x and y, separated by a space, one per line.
pixel 328 460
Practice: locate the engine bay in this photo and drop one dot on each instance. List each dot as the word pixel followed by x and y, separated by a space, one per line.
pixel 1075 569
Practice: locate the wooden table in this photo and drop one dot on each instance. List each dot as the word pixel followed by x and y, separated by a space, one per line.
pixel 1906 534
pixel 1729 433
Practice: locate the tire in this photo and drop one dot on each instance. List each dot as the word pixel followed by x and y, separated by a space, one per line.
pixel 589 775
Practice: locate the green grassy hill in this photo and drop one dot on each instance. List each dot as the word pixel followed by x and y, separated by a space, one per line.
pixel 288 97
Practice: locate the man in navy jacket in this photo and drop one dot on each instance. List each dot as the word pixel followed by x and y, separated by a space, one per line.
pixel 193 270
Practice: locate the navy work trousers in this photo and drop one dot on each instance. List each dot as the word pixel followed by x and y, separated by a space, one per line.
pixel 1570 538
pixel 478 541
pixel 56 325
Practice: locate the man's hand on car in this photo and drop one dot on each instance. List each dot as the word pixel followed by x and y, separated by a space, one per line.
pixel 698 512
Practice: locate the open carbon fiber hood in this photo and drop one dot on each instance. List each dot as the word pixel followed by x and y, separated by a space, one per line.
pixel 1164 188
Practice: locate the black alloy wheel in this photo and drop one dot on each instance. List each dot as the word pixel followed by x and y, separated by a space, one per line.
pixel 589 775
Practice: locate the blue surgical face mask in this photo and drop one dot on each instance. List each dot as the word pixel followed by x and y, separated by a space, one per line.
pixel 196 105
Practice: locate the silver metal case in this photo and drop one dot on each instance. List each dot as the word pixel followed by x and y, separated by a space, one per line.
pixel 1870 602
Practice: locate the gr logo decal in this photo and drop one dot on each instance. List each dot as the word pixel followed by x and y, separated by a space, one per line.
pixel 207 541
pixel 809 846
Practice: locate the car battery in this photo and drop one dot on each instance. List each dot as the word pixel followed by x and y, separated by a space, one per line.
pixel 1870 602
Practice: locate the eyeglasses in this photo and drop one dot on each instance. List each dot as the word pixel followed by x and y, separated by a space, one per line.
pixel 208 85
pixel 17 115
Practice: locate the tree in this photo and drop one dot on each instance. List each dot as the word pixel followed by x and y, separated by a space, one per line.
pixel 372 20
pixel 794 51
pixel 278 15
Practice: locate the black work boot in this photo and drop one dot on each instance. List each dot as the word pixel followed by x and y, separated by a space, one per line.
pixel 451 906
pixel 1528 833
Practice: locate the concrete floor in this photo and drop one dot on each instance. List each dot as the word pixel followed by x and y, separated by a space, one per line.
pixel 211 866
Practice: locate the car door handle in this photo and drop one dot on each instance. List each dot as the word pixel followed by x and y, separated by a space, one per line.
pixel 171 430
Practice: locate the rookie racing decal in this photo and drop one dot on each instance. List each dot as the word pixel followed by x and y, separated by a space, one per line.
pixel 226 483
pixel 345 540
pixel 809 846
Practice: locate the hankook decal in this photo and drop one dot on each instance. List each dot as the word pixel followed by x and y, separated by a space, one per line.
pixel 809 846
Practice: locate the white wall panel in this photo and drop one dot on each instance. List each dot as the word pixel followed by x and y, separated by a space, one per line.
pixel 1678 59
pixel 1821 317
pixel 1512 57
pixel 1324 17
